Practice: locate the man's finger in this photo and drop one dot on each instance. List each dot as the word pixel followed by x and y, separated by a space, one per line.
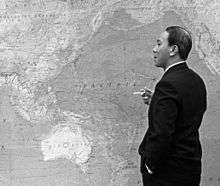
pixel 148 91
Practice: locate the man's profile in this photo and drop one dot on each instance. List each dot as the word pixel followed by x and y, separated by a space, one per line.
pixel 170 150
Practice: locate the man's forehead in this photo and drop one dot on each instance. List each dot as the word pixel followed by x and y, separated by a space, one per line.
pixel 163 36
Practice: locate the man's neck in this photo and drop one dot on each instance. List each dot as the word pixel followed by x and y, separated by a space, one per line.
pixel 174 64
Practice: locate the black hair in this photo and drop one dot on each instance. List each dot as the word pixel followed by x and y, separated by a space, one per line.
pixel 182 38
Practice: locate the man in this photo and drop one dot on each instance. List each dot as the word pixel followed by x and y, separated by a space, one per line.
pixel 170 150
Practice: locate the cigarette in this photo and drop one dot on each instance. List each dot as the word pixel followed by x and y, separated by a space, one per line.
pixel 138 93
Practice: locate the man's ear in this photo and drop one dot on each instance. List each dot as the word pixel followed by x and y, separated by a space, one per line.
pixel 174 50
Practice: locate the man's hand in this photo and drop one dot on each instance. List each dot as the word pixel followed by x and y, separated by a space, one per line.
pixel 146 95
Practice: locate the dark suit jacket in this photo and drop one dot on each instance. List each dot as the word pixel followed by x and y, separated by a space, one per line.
pixel 171 147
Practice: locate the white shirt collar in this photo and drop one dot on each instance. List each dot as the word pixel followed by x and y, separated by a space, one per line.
pixel 174 65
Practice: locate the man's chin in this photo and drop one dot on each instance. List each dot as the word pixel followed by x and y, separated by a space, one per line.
pixel 156 65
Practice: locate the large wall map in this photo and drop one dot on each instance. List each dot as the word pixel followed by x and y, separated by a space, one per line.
pixel 68 70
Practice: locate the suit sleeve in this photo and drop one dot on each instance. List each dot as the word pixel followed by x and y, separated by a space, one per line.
pixel 164 113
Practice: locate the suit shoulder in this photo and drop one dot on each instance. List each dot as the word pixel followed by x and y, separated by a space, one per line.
pixel 195 77
pixel 195 74
pixel 186 80
pixel 186 75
